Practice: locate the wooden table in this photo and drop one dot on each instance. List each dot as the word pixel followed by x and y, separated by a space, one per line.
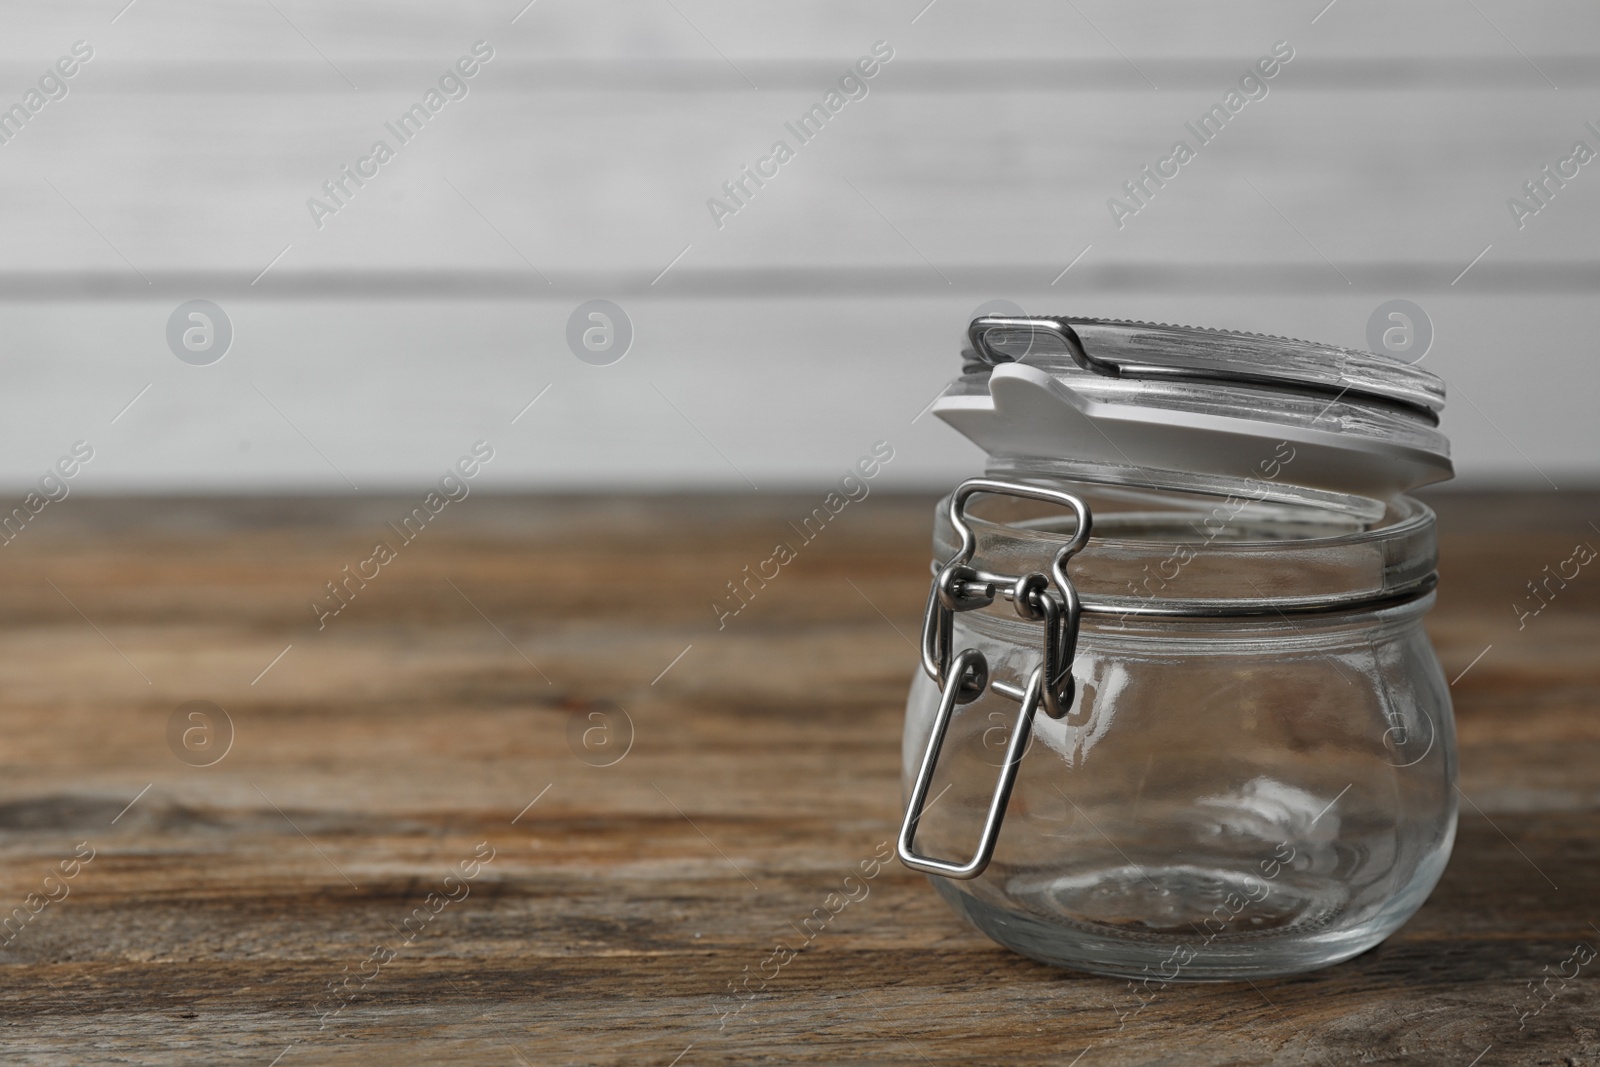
pixel 440 718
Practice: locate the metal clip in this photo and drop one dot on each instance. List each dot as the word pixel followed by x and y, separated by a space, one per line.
pixel 959 586
pixel 970 660
pixel 1053 326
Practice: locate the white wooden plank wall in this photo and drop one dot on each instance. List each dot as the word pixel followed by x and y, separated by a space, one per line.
pixel 432 307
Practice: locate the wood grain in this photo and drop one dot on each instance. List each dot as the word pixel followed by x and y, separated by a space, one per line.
pixel 379 752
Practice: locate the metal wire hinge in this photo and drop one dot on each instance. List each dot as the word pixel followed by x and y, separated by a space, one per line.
pixel 964 678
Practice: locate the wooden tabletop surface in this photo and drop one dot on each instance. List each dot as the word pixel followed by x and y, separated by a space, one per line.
pixel 406 850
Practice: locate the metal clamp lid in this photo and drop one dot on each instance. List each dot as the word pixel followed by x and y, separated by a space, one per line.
pixel 1164 404
pixel 1150 351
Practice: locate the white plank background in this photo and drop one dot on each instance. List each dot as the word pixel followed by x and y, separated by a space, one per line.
pixel 822 317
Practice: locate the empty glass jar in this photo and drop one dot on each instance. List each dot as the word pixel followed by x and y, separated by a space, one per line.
pixel 1178 718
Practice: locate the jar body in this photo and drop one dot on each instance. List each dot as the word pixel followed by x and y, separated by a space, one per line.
pixel 1227 798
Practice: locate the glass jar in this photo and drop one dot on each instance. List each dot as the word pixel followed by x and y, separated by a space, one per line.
pixel 1178 718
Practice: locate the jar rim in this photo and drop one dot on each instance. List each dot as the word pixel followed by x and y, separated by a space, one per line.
pixel 1287 632
pixel 1244 557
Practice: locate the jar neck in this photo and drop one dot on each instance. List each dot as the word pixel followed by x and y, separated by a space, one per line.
pixel 1264 484
pixel 1158 551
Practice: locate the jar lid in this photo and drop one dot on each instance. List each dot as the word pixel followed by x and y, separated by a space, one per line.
pixel 1202 409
